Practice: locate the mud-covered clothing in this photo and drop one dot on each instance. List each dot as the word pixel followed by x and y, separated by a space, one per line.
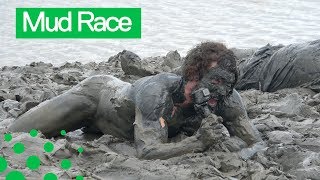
pixel 154 98
pixel 276 67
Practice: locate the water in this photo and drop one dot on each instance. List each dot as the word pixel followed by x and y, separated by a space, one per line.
pixel 167 25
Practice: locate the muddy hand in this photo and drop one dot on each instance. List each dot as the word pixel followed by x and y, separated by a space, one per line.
pixel 211 130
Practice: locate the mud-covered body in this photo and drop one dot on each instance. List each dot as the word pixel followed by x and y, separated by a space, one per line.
pixel 276 67
pixel 131 111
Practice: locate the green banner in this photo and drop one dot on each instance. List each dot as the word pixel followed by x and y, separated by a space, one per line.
pixel 78 22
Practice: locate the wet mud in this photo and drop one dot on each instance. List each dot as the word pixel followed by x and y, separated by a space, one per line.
pixel 287 119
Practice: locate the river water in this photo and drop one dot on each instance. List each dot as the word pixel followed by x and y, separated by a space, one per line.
pixel 167 25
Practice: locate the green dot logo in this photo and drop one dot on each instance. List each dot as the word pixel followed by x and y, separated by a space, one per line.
pixel 63 132
pixel 3 164
pixel 15 175
pixel 80 149
pixel 7 137
pixel 79 178
pixel 48 147
pixel 18 148
pixel 65 164
pixel 50 176
pixel 33 133
pixel 33 162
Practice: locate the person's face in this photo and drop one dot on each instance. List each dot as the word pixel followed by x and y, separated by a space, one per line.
pixel 219 82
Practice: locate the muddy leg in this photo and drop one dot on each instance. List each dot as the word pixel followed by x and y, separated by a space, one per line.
pixel 68 111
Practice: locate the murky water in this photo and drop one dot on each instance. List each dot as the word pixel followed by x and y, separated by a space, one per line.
pixel 167 25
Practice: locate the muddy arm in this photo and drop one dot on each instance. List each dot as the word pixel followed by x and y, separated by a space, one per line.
pixel 236 119
pixel 154 102
pixel 169 150
pixel 151 140
pixel 151 137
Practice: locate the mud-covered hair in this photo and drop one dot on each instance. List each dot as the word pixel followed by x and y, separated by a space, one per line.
pixel 199 59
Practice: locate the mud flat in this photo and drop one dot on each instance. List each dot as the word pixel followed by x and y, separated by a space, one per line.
pixel 288 121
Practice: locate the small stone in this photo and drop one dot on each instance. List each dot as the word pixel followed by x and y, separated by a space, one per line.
pixel 10 104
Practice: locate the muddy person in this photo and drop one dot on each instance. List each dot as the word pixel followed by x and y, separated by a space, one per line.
pixel 272 68
pixel 155 108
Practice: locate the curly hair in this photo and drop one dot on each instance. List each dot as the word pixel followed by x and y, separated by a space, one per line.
pixel 198 60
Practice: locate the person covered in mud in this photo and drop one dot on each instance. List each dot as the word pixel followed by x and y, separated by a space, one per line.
pixel 272 68
pixel 154 108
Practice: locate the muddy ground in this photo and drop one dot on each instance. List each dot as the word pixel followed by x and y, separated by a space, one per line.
pixel 288 121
